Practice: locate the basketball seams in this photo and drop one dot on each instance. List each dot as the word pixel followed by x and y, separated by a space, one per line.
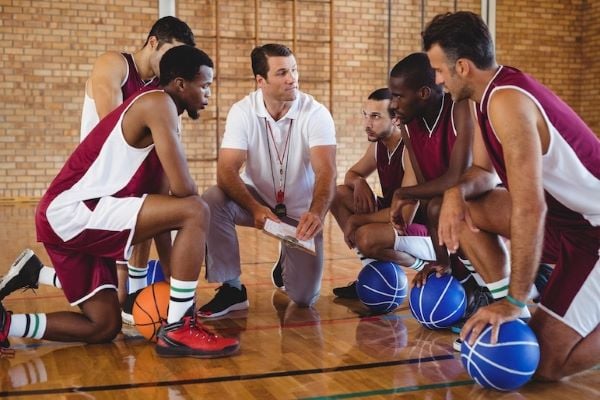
pixel 428 304
pixel 382 272
pixel 480 366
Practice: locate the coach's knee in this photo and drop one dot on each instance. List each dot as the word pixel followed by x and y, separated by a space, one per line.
pixel 304 299
pixel 214 197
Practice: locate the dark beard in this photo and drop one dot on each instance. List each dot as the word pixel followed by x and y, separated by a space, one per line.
pixel 193 114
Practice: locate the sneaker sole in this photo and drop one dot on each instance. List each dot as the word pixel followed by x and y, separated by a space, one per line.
pixel 236 307
pixel 16 267
pixel 187 352
pixel 456 345
pixel 127 318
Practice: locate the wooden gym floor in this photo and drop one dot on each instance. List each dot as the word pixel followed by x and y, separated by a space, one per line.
pixel 335 350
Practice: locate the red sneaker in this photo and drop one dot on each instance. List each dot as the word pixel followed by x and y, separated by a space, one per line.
pixel 4 327
pixel 188 338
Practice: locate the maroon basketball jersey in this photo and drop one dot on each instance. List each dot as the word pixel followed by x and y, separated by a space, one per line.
pixel 433 146
pixel 571 166
pixel 390 170
pixel 134 82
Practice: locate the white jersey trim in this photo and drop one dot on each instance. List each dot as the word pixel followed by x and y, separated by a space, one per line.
pixel 562 169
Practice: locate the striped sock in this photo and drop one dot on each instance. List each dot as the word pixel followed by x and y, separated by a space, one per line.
pixel 137 278
pixel 499 289
pixel 418 265
pixel 182 298
pixel 471 269
pixel 48 277
pixel 28 325
pixel 364 260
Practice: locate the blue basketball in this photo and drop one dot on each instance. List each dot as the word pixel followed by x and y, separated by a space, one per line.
pixel 506 365
pixel 155 272
pixel 439 303
pixel 381 286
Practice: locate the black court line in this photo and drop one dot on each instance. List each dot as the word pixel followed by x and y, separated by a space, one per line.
pixel 228 378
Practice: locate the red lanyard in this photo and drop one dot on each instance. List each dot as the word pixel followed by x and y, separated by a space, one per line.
pixel 279 194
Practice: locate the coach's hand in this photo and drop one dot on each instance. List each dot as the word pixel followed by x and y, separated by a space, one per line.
pixel 260 215
pixel 495 314
pixel 310 224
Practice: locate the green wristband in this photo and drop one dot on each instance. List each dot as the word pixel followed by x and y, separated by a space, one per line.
pixel 515 302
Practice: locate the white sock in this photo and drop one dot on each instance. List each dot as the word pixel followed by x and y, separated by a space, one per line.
pixel 28 325
pixel 363 259
pixel 182 298
pixel 471 269
pixel 136 278
pixel 499 289
pixel 48 277
pixel 418 265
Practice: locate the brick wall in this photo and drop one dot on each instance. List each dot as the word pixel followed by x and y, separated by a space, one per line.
pixel 49 48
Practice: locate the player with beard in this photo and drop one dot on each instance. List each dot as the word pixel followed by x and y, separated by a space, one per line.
pixel 549 162
pixel 365 218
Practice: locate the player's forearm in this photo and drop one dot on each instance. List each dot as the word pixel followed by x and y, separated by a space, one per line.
pixel 526 241
pixel 428 190
pixel 476 181
pixel 351 178
pixel 381 216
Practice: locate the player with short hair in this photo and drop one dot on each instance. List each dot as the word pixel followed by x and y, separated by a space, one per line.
pixel 549 162
pixel 285 140
pixel 104 200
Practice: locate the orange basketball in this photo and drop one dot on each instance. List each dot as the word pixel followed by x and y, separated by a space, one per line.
pixel 150 309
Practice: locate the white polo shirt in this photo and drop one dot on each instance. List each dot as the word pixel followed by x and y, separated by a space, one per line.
pixel 246 129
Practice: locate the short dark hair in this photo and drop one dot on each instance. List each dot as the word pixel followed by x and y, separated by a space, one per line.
pixel 260 63
pixel 416 71
pixel 182 62
pixel 169 29
pixel 462 34
pixel 380 94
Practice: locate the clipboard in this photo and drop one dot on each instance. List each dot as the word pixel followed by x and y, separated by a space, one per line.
pixel 287 234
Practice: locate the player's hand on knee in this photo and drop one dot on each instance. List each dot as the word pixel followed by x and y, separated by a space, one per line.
pixel 364 198
pixel 453 215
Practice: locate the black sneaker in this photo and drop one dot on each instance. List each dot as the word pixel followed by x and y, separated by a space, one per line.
pixel 541 280
pixel 277 272
pixel 476 299
pixel 457 344
pixel 4 327
pixel 346 292
pixel 24 273
pixel 127 308
pixel 227 299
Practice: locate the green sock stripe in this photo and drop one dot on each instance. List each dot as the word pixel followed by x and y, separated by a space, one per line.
pixel 500 289
pixel 36 324
pixel 180 290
